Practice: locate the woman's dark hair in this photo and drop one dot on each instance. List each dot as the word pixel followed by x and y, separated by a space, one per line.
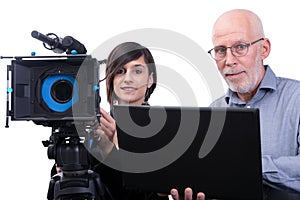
pixel 120 56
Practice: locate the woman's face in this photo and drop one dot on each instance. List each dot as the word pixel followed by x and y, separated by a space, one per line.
pixel 131 82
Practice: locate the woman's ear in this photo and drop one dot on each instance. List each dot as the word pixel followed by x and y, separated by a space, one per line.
pixel 266 48
pixel 150 80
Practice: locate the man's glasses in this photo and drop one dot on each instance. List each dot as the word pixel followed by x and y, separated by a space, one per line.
pixel 239 49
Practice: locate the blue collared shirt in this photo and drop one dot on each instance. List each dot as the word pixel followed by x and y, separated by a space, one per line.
pixel 278 100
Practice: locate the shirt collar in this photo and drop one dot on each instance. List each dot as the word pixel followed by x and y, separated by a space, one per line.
pixel 268 82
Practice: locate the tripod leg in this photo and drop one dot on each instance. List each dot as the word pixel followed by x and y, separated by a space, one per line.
pixel 54 179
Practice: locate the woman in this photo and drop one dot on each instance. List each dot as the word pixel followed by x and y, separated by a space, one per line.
pixel 131 79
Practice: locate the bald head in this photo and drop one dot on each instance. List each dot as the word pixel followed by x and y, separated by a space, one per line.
pixel 242 67
pixel 238 21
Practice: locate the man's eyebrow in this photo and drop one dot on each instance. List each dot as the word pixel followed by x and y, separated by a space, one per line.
pixel 236 42
pixel 220 46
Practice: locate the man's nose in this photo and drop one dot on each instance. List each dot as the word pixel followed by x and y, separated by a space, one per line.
pixel 230 58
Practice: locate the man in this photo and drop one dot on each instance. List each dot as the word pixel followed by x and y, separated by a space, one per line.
pixel 240 47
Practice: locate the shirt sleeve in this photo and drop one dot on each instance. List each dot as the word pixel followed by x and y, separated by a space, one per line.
pixel 282 173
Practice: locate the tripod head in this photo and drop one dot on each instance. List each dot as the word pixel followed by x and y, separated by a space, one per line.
pixel 76 180
pixel 67 149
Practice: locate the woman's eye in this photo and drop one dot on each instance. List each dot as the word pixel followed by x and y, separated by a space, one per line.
pixel 120 71
pixel 138 71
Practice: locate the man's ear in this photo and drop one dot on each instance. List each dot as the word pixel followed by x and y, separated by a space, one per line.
pixel 266 48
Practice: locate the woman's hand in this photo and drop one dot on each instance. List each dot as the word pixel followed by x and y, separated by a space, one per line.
pixel 106 134
pixel 58 169
pixel 108 126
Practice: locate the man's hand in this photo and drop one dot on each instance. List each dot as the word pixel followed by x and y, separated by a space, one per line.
pixel 188 195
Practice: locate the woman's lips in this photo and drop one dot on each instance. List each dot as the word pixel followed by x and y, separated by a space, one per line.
pixel 128 90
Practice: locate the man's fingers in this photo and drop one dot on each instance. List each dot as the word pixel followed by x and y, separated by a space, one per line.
pixel 174 194
pixel 188 194
pixel 200 196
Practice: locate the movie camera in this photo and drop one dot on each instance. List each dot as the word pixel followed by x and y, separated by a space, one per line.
pixel 61 92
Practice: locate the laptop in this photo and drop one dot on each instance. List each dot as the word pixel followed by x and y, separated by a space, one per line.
pixel 213 150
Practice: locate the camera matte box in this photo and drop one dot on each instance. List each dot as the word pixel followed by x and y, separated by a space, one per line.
pixel 28 75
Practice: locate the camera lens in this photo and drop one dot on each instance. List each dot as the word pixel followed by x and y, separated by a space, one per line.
pixel 62 91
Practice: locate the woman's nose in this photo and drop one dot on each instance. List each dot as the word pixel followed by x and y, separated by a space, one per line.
pixel 128 77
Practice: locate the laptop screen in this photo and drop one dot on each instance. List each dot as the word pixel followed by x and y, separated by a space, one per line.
pixel 213 150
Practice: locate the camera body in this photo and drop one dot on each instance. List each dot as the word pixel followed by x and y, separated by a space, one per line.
pixel 50 89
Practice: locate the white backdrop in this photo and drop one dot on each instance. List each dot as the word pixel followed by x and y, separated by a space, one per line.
pixel 25 168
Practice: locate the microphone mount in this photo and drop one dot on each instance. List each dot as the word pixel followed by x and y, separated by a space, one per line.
pixel 59 45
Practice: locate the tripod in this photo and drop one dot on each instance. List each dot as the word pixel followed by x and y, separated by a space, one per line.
pixel 76 181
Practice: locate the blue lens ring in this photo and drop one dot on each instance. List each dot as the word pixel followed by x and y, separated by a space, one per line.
pixel 46 92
